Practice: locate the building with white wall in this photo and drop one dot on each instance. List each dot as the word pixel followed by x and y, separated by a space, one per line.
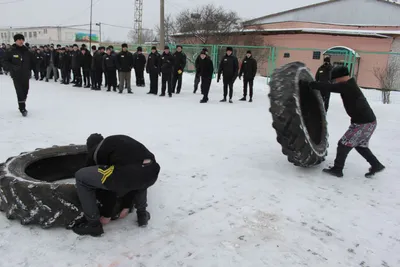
pixel 49 34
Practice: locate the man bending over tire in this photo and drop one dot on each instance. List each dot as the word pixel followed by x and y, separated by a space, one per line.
pixel 121 165
pixel 363 121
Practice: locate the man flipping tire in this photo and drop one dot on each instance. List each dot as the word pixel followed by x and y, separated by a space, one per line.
pixel 18 61
pixel 121 165
pixel 363 121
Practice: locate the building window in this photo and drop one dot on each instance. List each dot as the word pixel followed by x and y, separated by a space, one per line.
pixel 30 34
pixel 316 55
pixel 286 55
pixel 25 35
pixel 45 31
pixel 34 34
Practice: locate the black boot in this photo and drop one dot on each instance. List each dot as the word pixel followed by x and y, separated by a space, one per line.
pixel 251 100
pixel 230 101
pixel 223 100
pixel 376 166
pixel 243 99
pixel 92 228
pixel 143 218
pixel 341 155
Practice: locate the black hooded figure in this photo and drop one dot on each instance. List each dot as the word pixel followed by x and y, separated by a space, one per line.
pixel 324 75
pixel 139 63
pixel 118 164
pixel 153 68
pixel 18 60
pixel 249 71
pixel 228 67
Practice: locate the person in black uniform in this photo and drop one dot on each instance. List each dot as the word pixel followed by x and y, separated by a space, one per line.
pixel 324 75
pixel 66 66
pixel 2 53
pixel 86 62
pixel 196 65
pixel 179 67
pixel 139 63
pixel 205 71
pixel 363 121
pixel 110 68
pixel 249 71
pixel 76 59
pixel 153 69
pixel 119 164
pixel 228 67
pixel 18 61
pixel 38 68
pixel 97 66
pixel 167 68
pixel 92 69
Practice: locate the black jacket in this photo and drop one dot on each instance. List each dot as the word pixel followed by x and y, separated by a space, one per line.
pixel 167 63
pixel 354 101
pixel 46 58
pixel 76 59
pixel 153 63
pixel 139 61
pixel 249 68
pixel 125 61
pixel 86 61
pixel 126 155
pixel 179 61
pixel 324 73
pixel 205 68
pixel 54 53
pixel 109 63
pixel 38 59
pixel 228 67
pixel 18 60
pixel 97 60
pixel 65 61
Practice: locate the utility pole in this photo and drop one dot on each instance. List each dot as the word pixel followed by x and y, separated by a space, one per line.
pixel 90 31
pixel 99 24
pixel 162 25
pixel 138 27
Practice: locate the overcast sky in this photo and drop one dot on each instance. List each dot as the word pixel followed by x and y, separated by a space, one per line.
pixel 121 12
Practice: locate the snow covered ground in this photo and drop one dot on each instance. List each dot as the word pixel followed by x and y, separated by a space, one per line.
pixel 226 195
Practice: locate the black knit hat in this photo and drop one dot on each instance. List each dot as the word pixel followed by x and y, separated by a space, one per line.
pixel 124 45
pixel 75 45
pixel 58 45
pixel 179 46
pixel 139 49
pixel 205 49
pixel 203 52
pixel 153 48
pixel 83 45
pixel 327 59
pixel 166 47
pixel 93 141
pixel 102 48
pixel 229 48
pixel 27 45
pixel 83 49
pixel 339 71
pixel 94 47
pixel 248 52
pixel 19 36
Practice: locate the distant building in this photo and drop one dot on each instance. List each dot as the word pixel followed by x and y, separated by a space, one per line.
pixel 346 30
pixel 49 34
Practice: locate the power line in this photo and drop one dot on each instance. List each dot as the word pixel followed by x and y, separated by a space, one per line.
pixel 79 13
pixel 117 26
pixel 11 2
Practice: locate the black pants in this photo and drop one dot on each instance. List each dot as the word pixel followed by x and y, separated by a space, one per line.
pixel 228 83
pixel 77 76
pixel 93 77
pixel 153 82
pixel 112 79
pixel 177 79
pixel 21 85
pixel 98 78
pixel 326 96
pixel 86 77
pixel 66 75
pixel 139 77
pixel 205 86
pixel 248 82
pixel 166 80
pixel 105 79
pixel 38 71
pixel 196 82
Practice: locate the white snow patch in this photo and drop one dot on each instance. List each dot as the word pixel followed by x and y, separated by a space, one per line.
pixel 226 196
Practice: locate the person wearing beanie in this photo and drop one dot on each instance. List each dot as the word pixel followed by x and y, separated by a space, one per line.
pixel 139 62
pixel 52 64
pixel 86 63
pixel 97 68
pixel 228 67
pixel 110 67
pixel 362 121
pixel 197 76
pixel 167 68
pixel 324 75
pixel 153 69
pixel 205 70
pixel 64 65
pixel 125 65
pixel 92 68
pixel 179 67
pixel 76 61
pixel 2 53
pixel 39 67
pixel 124 167
pixel 249 71
pixel 18 60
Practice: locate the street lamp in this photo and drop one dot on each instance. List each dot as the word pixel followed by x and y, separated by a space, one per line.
pixel 99 24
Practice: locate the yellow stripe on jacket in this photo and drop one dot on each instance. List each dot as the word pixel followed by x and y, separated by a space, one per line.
pixel 106 173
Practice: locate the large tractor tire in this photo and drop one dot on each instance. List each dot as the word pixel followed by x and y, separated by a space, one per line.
pixel 298 115
pixel 29 191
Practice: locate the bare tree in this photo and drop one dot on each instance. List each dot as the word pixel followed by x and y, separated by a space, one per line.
pixel 208 24
pixel 388 79
pixel 148 35
pixel 169 28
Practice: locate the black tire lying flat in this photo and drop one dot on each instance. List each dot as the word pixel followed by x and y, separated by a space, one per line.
pixel 298 115
pixel 42 202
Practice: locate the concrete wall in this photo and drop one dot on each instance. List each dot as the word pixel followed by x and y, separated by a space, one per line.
pixel 356 12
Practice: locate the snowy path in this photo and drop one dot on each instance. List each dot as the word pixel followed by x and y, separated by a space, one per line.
pixel 226 195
